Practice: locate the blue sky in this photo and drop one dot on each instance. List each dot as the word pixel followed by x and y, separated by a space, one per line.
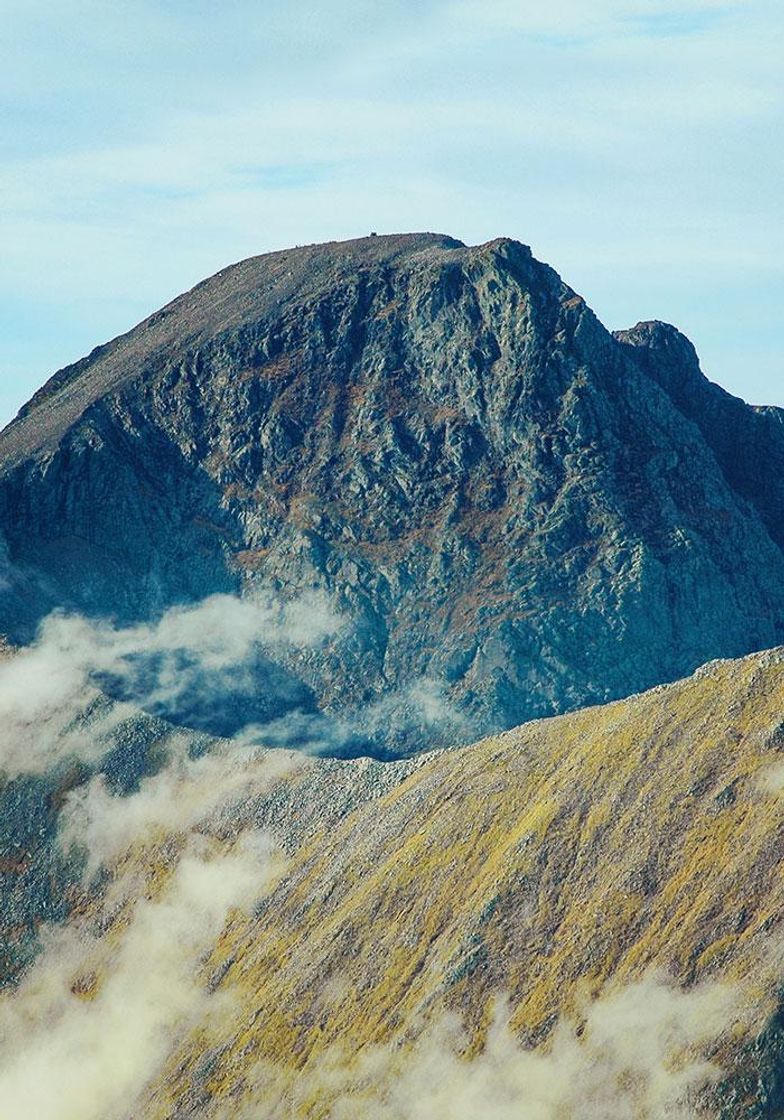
pixel 636 145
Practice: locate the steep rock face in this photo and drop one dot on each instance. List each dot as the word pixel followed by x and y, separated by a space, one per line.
pixel 504 498
pixel 748 442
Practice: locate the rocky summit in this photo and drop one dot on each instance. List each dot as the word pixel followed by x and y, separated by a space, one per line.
pixel 505 501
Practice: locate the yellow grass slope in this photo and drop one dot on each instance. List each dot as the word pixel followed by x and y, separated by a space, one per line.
pixel 566 858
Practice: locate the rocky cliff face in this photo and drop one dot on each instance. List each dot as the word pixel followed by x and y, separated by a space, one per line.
pixel 747 442
pixel 503 498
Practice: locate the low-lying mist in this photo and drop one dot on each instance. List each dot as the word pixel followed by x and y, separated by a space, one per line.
pixel 123 989
pixel 114 990
pixel 227 666
pixel 127 985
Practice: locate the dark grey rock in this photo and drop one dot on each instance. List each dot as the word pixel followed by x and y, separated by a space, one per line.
pixel 505 498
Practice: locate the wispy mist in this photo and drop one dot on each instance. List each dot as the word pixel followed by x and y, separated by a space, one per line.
pixel 638 1051
pixel 108 998
pixel 193 659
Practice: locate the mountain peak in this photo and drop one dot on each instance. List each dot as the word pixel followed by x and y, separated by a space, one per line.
pixel 653 334
pixel 506 501
pixel 242 295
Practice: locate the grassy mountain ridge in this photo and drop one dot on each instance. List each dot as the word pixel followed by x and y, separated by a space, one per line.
pixel 545 865
pixel 608 882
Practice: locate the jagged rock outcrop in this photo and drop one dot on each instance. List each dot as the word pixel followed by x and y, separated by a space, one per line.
pixel 505 498
pixel 747 441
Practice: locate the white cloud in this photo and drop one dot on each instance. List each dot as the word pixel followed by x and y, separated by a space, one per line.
pixel 95 1019
pixel 98 1014
pixel 46 688
pixel 188 792
pixel 638 1050
pixel 409 718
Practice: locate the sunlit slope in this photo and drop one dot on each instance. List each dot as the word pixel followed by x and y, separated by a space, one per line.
pixel 565 858
pixel 576 920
